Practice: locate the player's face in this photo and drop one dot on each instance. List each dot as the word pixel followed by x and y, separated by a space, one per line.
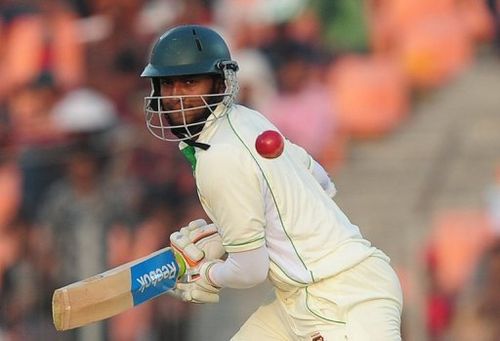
pixel 196 86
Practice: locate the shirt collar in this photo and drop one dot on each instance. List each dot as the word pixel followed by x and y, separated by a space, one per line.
pixel 211 125
pixel 206 134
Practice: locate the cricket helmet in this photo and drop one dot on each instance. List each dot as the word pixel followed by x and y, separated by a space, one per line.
pixel 182 51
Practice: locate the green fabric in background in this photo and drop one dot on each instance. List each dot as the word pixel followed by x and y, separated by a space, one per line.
pixel 344 24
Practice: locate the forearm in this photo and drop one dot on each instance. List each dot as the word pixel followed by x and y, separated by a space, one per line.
pixel 242 269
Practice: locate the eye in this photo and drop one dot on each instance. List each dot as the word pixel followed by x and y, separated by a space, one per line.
pixel 166 81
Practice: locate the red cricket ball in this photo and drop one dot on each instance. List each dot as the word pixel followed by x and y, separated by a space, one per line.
pixel 270 144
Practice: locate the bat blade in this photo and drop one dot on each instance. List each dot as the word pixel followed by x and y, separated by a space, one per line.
pixel 114 291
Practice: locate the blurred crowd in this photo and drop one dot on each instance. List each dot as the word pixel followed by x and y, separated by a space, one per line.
pixel 83 187
pixel 462 264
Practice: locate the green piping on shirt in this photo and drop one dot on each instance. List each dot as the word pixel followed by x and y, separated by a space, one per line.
pixel 284 272
pixel 272 195
pixel 245 243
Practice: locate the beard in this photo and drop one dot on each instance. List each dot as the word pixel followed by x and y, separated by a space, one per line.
pixel 194 128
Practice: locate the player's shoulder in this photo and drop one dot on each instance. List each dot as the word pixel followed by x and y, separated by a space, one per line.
pixel 222 153
pixel 222 163
pixel 233 144
pixel 241 113
pixel 245 124
pixel 232 132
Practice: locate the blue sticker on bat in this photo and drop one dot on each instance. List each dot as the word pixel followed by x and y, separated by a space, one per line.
pixel 154 276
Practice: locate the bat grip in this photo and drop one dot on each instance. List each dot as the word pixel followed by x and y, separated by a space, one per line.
pixel 182 264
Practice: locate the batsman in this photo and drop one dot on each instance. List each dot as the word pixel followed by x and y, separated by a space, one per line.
pixel 274 214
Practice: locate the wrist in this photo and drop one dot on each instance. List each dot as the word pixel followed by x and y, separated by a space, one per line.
pixel 205 272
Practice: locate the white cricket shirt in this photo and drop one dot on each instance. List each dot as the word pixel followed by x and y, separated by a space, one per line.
pixel 254 200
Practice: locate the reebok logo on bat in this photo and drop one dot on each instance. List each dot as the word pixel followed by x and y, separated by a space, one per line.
pixel 154 277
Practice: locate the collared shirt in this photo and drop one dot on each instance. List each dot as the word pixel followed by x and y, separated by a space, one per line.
pixel 277 202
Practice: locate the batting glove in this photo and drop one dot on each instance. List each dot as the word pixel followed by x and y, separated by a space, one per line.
pixel 205 237
pixel 195 244
pixel 202 289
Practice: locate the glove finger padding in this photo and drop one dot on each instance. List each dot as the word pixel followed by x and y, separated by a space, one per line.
pixel 177 292
pixel 191 254
pixel 205 237
pixel 202 296
pixel 193 226
pixel 194 293
pixel 202 290
pixel 209 240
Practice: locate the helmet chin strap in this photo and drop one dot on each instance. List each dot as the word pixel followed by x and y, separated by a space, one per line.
pixel 190 141
pixel 200 145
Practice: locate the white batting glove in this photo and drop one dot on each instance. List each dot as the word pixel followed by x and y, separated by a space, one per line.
pixel 195 244
pixel 202 289
pixel 197 241
pixel 205 237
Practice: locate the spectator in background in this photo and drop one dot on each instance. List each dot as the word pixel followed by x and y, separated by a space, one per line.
pixel 478 311
pixel 10 181
pixel 116 41
pixel 301 108
pixel 10 233
pixel 256 79
pixel 37 139
pixel 249 40
pixel 39 37
pixel 439 303
pixel 144 167
pixel 25 286
pixel 258 13
pixel 78 211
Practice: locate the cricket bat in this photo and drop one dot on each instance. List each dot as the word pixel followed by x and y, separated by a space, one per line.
pixel 116 290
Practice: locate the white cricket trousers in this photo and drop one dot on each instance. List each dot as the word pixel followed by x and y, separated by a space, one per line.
pixel 363 303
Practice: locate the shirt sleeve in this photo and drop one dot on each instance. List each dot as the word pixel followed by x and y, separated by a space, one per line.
pixel 319 173
pixel 230 187
pixel 241 270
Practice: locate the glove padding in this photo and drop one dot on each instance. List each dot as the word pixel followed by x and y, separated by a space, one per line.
pixel 205 237
pixel 199 246
pixel 201 290
pixel 196 242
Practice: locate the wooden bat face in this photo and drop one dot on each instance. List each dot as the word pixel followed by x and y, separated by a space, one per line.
pixel 116 290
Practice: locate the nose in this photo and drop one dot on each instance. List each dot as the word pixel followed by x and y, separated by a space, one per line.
pixel 176 89
pixel 172 88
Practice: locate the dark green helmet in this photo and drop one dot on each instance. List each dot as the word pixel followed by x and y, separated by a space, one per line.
pixel 188 50
pixel 185 51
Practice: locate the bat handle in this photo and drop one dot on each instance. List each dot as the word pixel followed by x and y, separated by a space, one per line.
pixel 186 274
pixel 190 275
